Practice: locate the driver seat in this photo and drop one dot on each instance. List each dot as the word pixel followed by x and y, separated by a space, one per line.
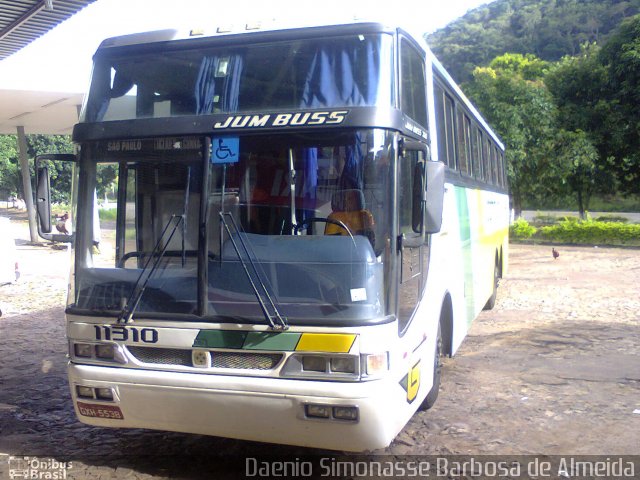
pixel 349 208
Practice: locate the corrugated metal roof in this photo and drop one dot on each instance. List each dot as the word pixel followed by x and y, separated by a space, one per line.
pixel 22 21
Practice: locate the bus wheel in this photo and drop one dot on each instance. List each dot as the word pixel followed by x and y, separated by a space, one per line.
pixel 432 396
pixel 496 278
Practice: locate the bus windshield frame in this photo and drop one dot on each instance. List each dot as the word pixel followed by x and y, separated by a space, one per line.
pixel 293 197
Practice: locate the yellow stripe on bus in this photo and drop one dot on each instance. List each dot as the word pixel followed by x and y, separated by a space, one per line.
pixel 325 342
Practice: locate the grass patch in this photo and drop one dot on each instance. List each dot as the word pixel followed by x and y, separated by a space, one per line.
pixel 108 214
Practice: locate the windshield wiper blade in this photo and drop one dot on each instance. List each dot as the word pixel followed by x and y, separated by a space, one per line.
pixel 275 320
pixel 129 308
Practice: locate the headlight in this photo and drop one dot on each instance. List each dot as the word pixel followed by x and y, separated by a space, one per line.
pixel 343 364
pixel 84 350
pixel 314 364
pixel 105 351
pixel 323 366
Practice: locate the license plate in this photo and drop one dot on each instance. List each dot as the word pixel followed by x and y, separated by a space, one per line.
pixel 100 411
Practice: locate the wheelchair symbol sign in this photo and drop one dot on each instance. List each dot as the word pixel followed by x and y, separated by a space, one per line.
pixel 225 149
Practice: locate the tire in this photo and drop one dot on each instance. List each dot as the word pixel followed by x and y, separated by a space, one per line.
pixel 496 278
pixel 432 396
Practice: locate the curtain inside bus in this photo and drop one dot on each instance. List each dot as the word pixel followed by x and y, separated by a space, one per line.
pixel 224 73
pixel 345 74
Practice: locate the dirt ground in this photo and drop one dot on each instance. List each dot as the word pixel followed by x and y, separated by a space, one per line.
pixel 553 369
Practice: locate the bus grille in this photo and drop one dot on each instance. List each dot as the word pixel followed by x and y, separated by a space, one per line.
pixel 236 360
pixel 162 356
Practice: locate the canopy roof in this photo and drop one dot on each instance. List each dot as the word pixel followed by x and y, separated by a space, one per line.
pixel 23 21
pixel 39 112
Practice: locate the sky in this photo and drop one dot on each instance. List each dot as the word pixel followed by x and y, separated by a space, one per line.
pixel 60 61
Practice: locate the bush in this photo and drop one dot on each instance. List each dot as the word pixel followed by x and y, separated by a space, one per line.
pixel 521 230
pixel 591 232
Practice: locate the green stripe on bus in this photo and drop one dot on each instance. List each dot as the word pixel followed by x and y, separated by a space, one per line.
pixel 220 339
pixel 282 341
pixel 464 221
pixel 241 340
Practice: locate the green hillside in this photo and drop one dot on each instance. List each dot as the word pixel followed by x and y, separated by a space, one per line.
pixel 549 29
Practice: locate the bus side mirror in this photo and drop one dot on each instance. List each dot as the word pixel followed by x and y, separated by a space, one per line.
pixel 43 200
pixel 434 197
pixel 43 196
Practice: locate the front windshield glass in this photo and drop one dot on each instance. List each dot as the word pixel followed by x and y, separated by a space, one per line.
pixel 353 70
pixel 314 213
pixel 301 222
pixel 139 198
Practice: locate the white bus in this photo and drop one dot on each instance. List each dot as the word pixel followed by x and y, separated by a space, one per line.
pixel 305 221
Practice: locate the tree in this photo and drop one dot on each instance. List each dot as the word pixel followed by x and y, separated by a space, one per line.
pixel 523 113
pixel 621 57
pixel 9 167
pixel 60 172
pixel 580 88
pixel 579 168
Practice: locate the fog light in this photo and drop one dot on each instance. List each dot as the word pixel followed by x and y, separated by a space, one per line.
pixel 104 394
pixel 345 413
pixel 84 392
pixel 314 364
pixel 377 363
pixel 106 351
pixel 83 350
pixel 318 411
pixel 343 365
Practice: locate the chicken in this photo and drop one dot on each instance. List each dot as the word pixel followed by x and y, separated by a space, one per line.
pixel 555 253
pixel 61 224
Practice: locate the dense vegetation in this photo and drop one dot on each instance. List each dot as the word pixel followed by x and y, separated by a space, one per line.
pixel 548 29
pixel 560 82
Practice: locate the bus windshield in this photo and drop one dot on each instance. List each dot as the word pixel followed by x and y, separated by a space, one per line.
pixel 341 71
pixel 307 216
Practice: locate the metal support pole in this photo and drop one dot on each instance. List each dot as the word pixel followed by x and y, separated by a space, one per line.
pixel 26 184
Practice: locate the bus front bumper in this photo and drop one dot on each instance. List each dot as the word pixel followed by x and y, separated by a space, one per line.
pixel 249 408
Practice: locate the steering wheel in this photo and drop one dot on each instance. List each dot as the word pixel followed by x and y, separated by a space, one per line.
pixel 309 220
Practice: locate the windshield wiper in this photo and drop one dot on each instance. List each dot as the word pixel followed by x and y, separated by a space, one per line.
pixel 129 308
pixel 275 320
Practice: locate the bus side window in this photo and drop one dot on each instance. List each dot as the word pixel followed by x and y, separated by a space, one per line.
pixel 476 152
pixel 464 143
pixel 486 160
pixel 413 84
pixel 450 131
pixel 440 126
pixel 494 165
